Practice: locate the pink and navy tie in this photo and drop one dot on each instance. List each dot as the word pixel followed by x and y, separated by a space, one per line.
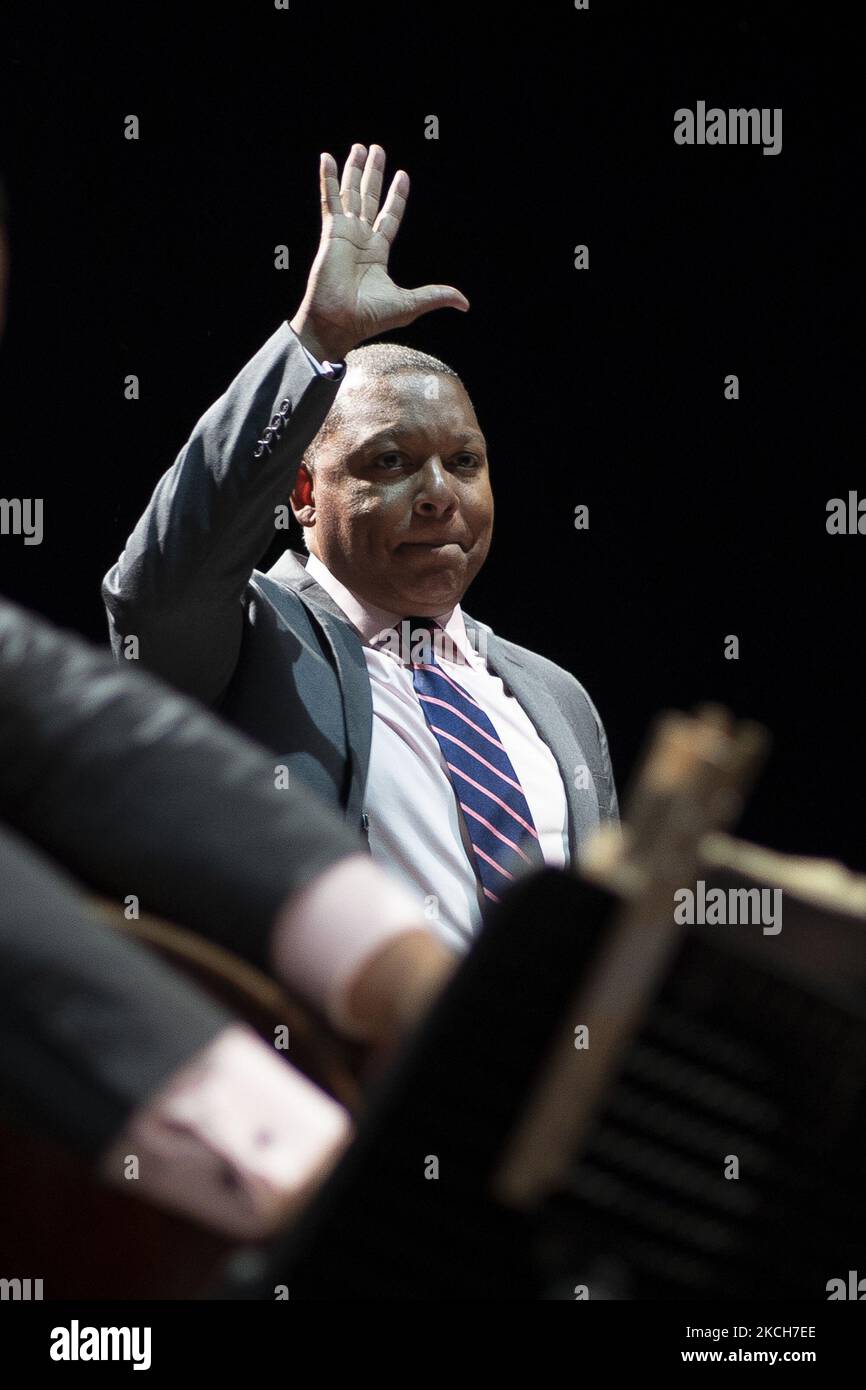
pixel 497 815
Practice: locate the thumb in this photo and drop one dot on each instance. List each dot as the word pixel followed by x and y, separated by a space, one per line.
pixel 436 297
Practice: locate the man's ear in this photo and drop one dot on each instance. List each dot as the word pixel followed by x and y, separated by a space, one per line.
pixel 303 497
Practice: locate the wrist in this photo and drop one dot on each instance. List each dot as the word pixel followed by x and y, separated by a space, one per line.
pixel 398 986
pixel 322 341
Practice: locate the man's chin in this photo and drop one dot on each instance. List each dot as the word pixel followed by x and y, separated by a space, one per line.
pixel 432 585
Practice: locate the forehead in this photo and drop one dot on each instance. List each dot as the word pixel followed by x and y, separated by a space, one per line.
pixel 423 402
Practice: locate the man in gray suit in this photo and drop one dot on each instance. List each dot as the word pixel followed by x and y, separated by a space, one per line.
pixel 463 766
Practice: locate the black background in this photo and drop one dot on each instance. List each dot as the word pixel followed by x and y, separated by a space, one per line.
pixel 707 517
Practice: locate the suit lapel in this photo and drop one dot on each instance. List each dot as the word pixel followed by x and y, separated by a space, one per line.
pixel 552 726
pixel 347 650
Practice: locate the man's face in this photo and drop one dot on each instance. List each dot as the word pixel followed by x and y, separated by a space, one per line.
pixel 400 507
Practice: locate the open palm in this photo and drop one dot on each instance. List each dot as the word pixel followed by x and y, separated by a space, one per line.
pixel 350 296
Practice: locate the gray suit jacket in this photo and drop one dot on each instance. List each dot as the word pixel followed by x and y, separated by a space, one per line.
pixel 272 651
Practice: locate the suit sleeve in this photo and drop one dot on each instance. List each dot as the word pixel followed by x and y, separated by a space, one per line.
pixel 611 810
pixel 608 801
pixel 178 585
pixel 137 790
pixel 90 1024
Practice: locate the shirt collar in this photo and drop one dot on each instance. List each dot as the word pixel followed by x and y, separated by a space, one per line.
pixel 370 621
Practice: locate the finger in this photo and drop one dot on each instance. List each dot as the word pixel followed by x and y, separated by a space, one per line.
pixel 329 186
pixel 429 297
pixel 350 188
pixel 371 183
pixel 389 219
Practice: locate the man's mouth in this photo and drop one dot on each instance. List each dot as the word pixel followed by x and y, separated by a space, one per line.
pixel 430 545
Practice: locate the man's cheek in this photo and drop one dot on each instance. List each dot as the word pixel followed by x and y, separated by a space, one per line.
pixel 350 515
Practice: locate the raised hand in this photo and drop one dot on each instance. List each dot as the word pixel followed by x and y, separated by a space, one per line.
pixel 350 296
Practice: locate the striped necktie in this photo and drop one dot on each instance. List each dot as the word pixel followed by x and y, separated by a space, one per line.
pixel 496 813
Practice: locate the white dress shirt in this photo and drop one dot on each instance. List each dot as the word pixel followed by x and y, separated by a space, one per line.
pixel 415 829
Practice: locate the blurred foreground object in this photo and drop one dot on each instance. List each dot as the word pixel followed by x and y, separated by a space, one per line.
pixel 87 1240
pixel 709 1139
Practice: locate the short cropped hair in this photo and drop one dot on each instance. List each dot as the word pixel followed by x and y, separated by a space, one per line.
pixel 376 360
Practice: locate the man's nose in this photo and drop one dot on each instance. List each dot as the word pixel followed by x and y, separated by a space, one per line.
pixel 436 495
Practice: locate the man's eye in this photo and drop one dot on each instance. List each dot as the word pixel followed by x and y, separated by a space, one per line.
pixel 468 460
pixel 392 459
